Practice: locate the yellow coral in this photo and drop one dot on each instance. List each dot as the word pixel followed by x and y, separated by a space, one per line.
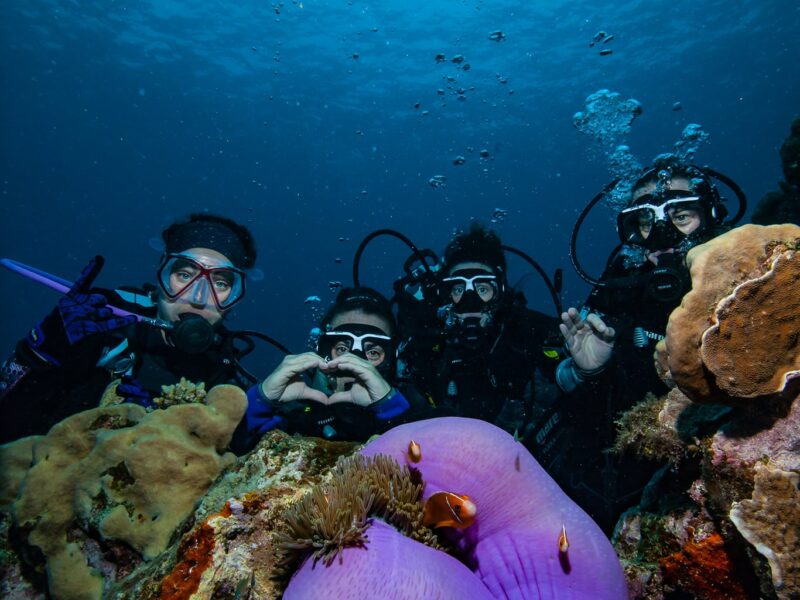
pixel 183 392
pixel 129 476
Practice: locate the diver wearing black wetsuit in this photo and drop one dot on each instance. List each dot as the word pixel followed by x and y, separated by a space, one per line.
pixel 674 207
pixel 68 359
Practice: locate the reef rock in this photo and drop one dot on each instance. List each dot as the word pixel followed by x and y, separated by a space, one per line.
pixel 742 314
pixel 723 521
pixel 107 488
pixel 770 521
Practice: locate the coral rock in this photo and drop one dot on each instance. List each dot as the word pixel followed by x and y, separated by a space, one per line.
pixel 770 521
pixel 754 347
pixel 119 481
pixel 740 264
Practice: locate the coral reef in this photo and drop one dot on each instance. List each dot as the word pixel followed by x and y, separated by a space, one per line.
pixel 726 522
pixel 125 480
pixel 512 550
pixel 737 280
pixel 230 546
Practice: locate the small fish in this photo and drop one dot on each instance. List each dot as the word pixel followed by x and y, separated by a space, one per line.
pixel 445 509
pixel 414 452
pixel 597 37
pixel 608 38
pixel 563 542
pixel 606 52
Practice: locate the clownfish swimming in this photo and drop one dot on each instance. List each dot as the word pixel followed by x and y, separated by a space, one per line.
pixel 445 509
pixel 563 542
pixel 414 452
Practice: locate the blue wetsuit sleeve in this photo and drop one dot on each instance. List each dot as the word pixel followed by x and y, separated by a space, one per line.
pixel 390 406
pixel 259 418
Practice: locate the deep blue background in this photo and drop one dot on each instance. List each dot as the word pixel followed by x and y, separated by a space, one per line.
pixel 119 117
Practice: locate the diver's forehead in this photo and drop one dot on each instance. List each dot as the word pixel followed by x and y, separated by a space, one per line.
pixel 679 182
pixel 357 317
pixel 465 266
pixel 208 257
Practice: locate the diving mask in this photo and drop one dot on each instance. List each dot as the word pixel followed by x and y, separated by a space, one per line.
pixel 479 282
pixel 636 224
pixel 183 275
pixel 365 341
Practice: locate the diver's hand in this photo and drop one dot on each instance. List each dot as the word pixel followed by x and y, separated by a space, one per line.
pixel 286 384
pixel 590 341
pixel 369 387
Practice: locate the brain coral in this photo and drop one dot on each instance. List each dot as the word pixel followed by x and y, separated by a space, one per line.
pixel 735 334
pixel 514 549
pixel 119 475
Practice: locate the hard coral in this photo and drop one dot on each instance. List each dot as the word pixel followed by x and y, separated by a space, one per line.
pixel 242 514
pixel 91 488
pixel 754 347
pixel 718 268
pixel 770 521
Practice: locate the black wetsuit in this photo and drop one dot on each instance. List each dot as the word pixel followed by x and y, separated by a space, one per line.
pixel 496 382
pixel 42 396
pixel 603 483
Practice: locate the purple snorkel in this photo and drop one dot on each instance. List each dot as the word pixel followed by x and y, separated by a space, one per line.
pixel 63 286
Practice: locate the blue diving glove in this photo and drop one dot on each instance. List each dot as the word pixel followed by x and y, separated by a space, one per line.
pixel 78 315
pixel 132 391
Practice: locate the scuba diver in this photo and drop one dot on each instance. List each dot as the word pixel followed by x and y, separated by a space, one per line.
pixel 342 391
pixel 481 353
pixel 167 332
pixel 673 207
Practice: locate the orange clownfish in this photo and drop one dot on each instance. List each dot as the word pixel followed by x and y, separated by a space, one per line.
pixel 563 542
pixel 414 452
pixel 445 509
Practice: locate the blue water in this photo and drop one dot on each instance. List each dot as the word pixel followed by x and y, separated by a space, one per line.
pixel 299 119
